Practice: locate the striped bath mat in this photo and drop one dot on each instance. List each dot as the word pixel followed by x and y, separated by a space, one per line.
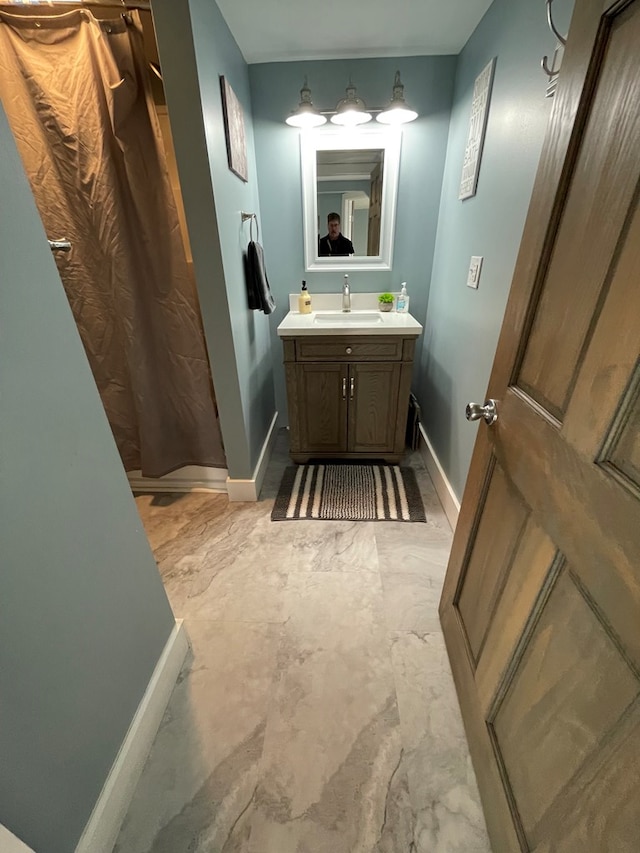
pixel 349 493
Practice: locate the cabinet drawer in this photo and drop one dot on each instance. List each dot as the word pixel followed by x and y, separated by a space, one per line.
pixel 349 349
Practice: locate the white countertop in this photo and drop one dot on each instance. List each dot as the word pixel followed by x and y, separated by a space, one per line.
pixel 317 323
pixel 332 320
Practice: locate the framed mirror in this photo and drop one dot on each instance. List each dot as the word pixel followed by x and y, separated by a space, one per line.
pixel 355 175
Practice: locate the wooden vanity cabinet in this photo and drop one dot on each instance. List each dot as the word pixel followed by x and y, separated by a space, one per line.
pixel 348 397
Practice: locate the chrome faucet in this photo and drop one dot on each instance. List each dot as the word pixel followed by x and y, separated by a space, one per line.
pixel 346 295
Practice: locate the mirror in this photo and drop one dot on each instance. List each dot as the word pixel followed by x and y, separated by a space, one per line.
pixel 353 174
pixel 349 184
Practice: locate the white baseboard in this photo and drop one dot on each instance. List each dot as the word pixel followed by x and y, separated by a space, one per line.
pixel 248 490
pixel 102 829
pixel 443 487
pixel 10 844
pixel 191 478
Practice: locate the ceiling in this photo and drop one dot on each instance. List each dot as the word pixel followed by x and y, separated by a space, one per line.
pixel 275 31
pixel 354 165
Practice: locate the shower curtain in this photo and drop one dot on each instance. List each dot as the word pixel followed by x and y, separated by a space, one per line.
pixel 78 100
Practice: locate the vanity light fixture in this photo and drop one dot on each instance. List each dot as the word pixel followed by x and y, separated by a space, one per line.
pixel 397 112
pixel 351 110
pixel 306 115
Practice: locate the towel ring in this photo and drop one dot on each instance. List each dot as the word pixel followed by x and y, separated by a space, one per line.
pixel 251 217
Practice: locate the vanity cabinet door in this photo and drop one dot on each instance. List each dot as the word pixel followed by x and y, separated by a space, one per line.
pixel 322 407
pixel 348 399
pixel 373 407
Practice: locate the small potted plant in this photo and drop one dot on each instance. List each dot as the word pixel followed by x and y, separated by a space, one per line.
pixel 385 301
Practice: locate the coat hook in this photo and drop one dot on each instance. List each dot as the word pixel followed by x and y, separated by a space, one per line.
pixel 552 72
pixel 552 26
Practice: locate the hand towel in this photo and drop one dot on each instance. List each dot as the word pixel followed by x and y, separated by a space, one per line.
pixel 258 290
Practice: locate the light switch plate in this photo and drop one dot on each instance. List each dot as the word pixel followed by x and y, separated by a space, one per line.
pixel 475 265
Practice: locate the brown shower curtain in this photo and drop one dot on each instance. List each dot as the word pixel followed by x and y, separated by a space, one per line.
pixel 77 97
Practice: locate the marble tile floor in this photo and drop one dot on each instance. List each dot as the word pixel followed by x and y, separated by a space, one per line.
pixel 316 711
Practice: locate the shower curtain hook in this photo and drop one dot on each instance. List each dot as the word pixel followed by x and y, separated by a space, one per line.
pixel 126 14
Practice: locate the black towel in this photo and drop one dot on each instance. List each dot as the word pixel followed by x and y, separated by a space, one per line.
pixel 258 290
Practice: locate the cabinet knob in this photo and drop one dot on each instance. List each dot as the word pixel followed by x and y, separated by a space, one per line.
pixel 349 350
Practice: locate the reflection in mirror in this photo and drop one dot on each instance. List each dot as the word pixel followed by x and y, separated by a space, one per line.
pixel 349 184
pixel 354 176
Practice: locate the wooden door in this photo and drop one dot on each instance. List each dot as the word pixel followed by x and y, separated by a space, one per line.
pixel 321 407
pixel 541 604
pixel 375 210
pixel 373 406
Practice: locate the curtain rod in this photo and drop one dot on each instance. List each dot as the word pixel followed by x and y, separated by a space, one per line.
pixel 140 5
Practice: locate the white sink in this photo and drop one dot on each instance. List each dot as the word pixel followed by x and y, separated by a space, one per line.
pixel 348 318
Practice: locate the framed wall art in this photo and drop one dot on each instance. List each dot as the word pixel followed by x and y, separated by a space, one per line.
pixel 477 127
pixel 234 131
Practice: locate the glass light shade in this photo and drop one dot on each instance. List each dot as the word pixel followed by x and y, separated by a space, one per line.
pixel 305 118
pixel 351 117
pixel 397 115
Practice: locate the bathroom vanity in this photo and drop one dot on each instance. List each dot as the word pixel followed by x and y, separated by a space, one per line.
pixel 348 380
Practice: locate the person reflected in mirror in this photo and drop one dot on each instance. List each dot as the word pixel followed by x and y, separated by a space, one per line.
pixel 334 244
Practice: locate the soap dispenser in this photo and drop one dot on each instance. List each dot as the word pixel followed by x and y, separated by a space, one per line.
pixel 402 303
pixel 304 300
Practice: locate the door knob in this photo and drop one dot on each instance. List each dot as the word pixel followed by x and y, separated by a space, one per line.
pixel 489 411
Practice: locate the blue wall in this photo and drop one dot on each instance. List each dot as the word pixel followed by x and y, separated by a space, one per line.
pixel 84 616
pixel 462 325
pixel 275 89
pixel 196 47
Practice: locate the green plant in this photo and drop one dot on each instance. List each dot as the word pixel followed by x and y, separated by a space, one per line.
pixel 385 298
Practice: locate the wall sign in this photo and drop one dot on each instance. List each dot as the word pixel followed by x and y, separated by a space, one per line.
pixel 234 131
pixel 477 127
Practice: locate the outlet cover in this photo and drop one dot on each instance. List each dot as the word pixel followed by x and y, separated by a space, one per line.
pixel 475 266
